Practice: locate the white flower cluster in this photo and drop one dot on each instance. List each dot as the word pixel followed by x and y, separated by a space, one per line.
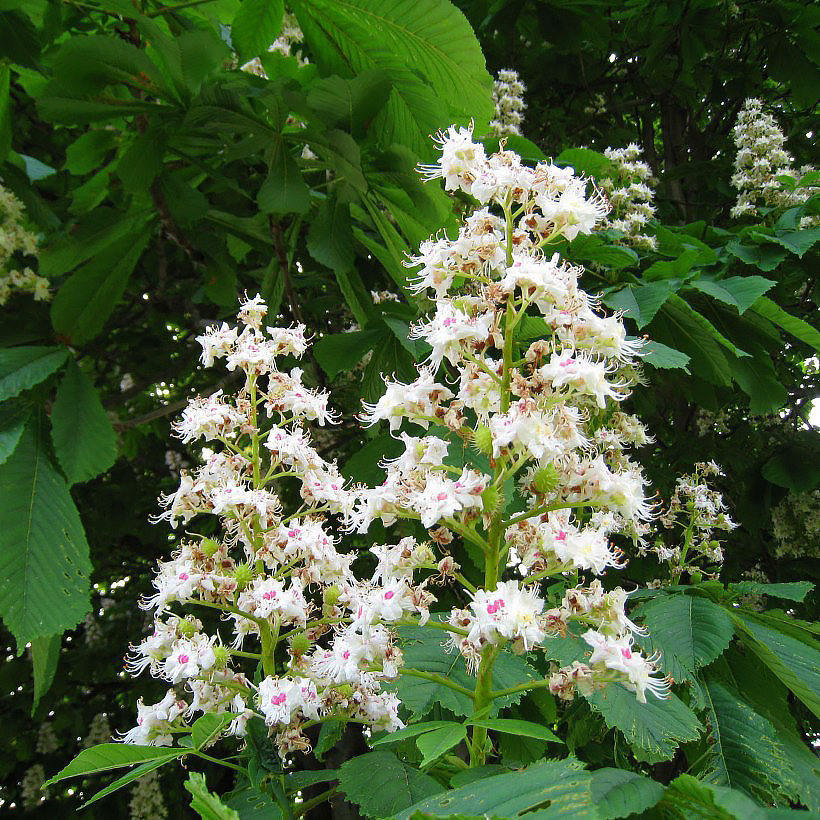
pixel 16 242
pixel 762 158
pixel 146 801
pixel 630 190
pixel 508 98
pixel 541 412
pixel 32 793
pixel 546 415
pixel 275 577
pixel 796 525
pixel 698 510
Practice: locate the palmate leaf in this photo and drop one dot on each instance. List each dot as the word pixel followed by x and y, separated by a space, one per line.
pixel 745 752
pixel 795 662
pixel 426 48
pixel 44 559
pixel 689 797
pixel 381 785
pixel 23 367
pixel 655 728
pixel 544 790
pixel 84 440
pixel 255 26
pixel 620 793
pixel 690 632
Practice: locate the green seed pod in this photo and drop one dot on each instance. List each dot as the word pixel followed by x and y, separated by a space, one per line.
pixel 299 643
pixel 221 654
pixel 209 546
pixel 331 595
pixel 483 440
pixel 187 627
pixel 545 480
pixel 345 690
pixel 243 574
pixel 491 499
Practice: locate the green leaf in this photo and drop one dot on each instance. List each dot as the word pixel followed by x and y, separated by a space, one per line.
pixel 563 786
pixel 791 324
pixel 84 440
pixel 135 774
pixel 620 793
pixel 208 728
pixel 23 367
pixel 343 351
pixel 739 291
pixel 86 300
pixel 295 781
pixel 676 328
pixel 382 785
pixel 795 662
pixel 43 552
pixel 329 736
pixel 794 467
pixel 757 378
pixel 97 232
pixel 142 160
pixel 252 804
pixel 433 745
pixel 5 112
pixel 45 653
pixel 363 465
pixel 664 357
pixel 206 804
pixel 427 50
pixel 585 161
pixel 330 238
pixel 88 63
pixel 13 419
pixel 107 756
pixel 745 753
pixel 656 727
pixel 414 730
pixel 255 26
pixel 705 324
pixel 690 632
pixel 284 190
pixel 688 797
pixel 763 257
pixel 351 104
pixel 423 650
pixel 792 591
pixel 522 728
pixel 640 302
pixel 798 242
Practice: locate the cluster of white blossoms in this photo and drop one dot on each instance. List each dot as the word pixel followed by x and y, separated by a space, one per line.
pixel 508 98
pixel 697 510
pixel 762 158
pixel 542 413
pixel 16 243
pixel 629 187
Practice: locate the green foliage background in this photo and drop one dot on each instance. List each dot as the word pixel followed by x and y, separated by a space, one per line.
pixel 164 182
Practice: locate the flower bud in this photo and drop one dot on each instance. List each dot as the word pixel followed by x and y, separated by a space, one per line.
pixel 545 480
pixel 243 573
pixel 345 690
pixel 483 440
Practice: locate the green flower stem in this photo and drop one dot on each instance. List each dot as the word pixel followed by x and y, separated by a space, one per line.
pixel 545 508
pixel 218 761
pixel 521 687
pixel 440 679
pixel 304 808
